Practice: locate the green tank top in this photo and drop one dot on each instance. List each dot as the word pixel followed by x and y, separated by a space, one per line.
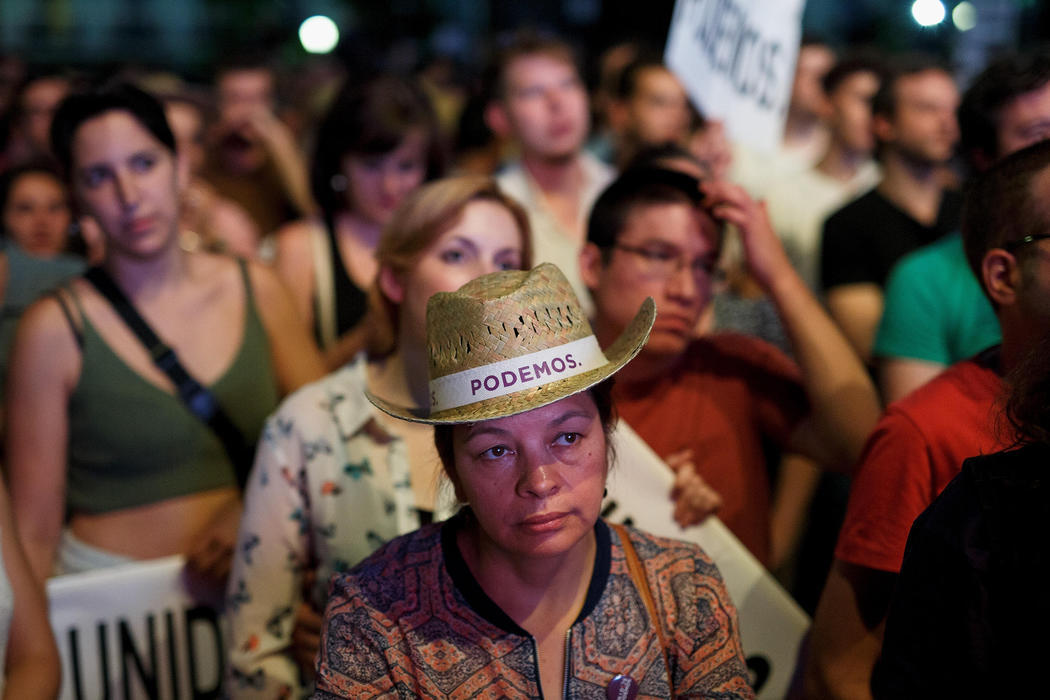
pixel 132 443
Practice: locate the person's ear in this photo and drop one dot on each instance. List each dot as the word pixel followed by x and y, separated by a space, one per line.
pixel 591 265
pixel 497 119
pixel 883 128
pixel 1001 276
pixel 391 284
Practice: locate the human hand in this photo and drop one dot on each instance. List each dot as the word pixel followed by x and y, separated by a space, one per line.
pixel 273 134
pixel 212 555
pixel 306 638
pixel 763 250
pixel 693 499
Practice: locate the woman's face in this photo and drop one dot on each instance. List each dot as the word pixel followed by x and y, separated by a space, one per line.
pixel 36 215
pixel 126 180
pixel 378 183
pixel 485 239
pixel 535 480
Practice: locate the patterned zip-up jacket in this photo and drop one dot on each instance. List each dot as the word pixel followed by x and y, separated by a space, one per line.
pixel 412 622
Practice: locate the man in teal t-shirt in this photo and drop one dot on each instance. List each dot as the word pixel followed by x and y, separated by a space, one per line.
pixel 935 312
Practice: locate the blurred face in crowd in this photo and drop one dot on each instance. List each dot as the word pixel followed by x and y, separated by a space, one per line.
pixel 659 110
pixel 923 127
pixel 244 96
pixel 126 179
pixel 187 124
pixel 807 94
pixel 1024 120
pixel 667 251
pixel 544 107
pixel 850 115
pixel 484 239
pixel 377 183
pixel 39 102
pixel 534 481
pixel 36 214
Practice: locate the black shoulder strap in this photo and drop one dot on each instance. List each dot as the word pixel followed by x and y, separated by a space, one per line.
pixel 197 398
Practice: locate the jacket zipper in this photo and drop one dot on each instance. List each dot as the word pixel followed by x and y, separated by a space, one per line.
pixel 568 664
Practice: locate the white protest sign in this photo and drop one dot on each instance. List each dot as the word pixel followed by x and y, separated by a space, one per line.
pixel 136 631
pixel 736 59
pixel 771 623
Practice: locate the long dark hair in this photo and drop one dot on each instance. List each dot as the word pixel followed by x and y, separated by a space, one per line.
pixel 369 117
pixel 116 97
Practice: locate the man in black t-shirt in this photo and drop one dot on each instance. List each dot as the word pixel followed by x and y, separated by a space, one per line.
pixel 915 126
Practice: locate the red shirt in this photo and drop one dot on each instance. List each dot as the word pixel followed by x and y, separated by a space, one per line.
pixel 918 447
pixel 728 398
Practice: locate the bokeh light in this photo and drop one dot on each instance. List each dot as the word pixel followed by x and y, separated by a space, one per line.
pixel 318 34
pixel 964 16
pixel 928 12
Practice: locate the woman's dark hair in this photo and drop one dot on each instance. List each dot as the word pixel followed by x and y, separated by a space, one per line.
pixel 12 175
pixel 369 117
pixel 118 97
pixel 601 393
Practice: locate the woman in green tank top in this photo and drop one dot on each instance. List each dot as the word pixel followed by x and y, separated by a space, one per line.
pixel 98 439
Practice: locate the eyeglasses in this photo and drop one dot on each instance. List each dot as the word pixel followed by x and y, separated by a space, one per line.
pixel 1011 246
pixel 665 262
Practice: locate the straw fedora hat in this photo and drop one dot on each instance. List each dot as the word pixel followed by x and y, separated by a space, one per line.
pixel 513 341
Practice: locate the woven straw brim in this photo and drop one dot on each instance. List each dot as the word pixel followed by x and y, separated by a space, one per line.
pixel 618 354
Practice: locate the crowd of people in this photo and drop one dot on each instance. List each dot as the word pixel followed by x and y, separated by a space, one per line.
pixel 361 359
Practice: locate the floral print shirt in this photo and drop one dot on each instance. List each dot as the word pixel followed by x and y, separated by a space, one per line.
pixel 412 622
pixel 328 487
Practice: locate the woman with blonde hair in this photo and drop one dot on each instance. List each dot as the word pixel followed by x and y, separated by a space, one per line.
pixel 334 477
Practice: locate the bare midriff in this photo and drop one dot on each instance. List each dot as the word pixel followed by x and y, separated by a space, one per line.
pixel 172 526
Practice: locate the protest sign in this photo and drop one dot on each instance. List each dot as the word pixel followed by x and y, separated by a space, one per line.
pixel 736 59
pixel 771 623
pixel 136 631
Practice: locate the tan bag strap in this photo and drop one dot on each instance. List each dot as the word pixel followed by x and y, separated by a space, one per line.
pixel 324 285
pixel 637 572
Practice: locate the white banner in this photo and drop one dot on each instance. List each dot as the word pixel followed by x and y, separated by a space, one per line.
pixel 771 623
pixel 736 59
pixel 136 631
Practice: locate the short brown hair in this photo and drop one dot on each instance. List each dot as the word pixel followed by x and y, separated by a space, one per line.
pixel 1001 207
pixel 522 44
pixel 421 218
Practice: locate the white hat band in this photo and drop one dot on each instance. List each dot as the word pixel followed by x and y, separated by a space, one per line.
pixel 508 376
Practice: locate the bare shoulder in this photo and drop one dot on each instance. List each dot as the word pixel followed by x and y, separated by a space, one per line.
pixel 267 286
pixel 294 238
pixel 48 333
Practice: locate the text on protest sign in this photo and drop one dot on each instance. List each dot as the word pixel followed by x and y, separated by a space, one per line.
pixel 736 59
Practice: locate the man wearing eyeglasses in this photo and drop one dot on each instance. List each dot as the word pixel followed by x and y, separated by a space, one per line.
pixel 712 404
pixel 921 442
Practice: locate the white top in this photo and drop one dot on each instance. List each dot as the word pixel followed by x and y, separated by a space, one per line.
pixel 756 171
pixel 550 241
pixel 799 204
pixel 328 487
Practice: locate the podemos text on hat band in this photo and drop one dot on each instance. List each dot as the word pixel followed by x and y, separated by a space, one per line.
pixel 508 376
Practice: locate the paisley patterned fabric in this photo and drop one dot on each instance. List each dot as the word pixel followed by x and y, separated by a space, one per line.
pixel 412 622
pixel 328 487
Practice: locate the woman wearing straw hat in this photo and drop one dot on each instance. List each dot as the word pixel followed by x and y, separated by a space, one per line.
pixel 526 592
pixel 334 477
